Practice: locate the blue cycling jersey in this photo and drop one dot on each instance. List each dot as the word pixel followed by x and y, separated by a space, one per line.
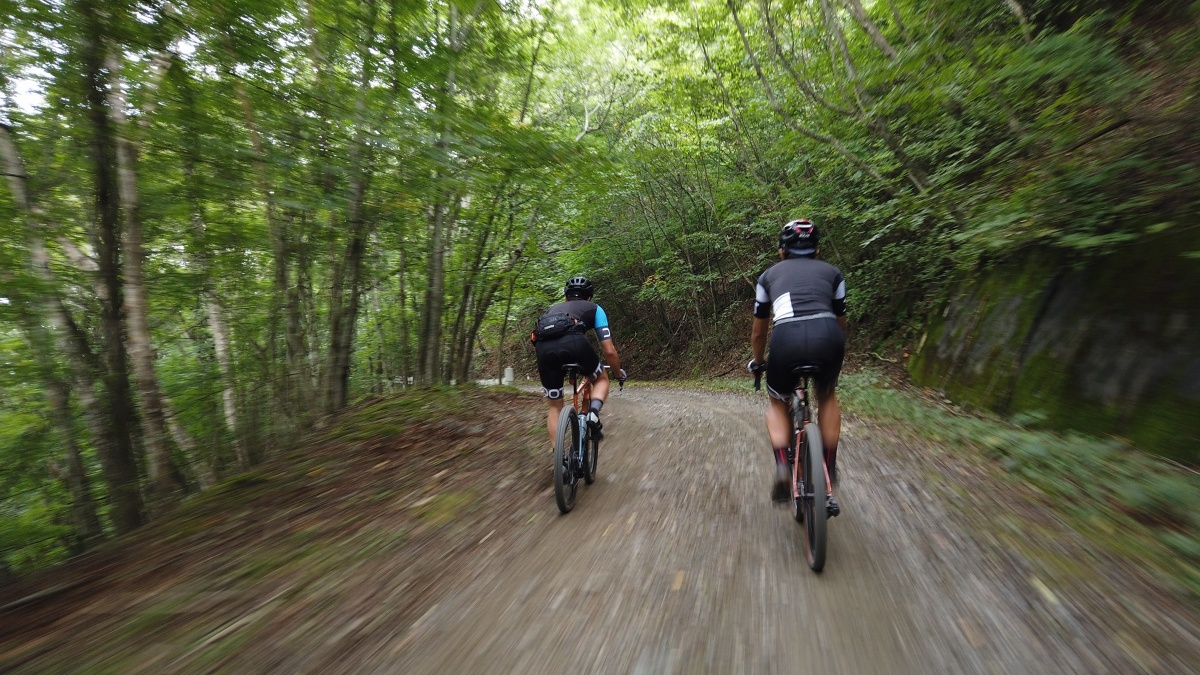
pixel 591 314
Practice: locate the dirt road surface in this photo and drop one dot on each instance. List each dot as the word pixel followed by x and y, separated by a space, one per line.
pixel 435 546
pixel 675 561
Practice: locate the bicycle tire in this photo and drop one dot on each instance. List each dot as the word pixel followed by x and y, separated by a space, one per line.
pixel 797 468
pixel 566 480
pixel 591 455
pixel 815 515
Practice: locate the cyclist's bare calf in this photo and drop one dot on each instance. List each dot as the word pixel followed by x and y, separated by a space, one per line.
pixel 829 421
pixel 554 405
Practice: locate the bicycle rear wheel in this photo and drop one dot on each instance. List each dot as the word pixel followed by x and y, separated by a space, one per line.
pixel 566 476
pixel 813 495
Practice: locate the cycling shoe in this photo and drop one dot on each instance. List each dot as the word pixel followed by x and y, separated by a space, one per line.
pixel 831 507
pixel 779 489
pixel 593 421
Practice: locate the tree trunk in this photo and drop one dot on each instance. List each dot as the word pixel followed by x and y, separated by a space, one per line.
pixel 445 209
pixel 344 314
pixel 873 121
pixel 120 468
pixel 164 488
pixel 202 467
pixel 385 373
pixel 430 337
pixel 512 282
pixel 83 504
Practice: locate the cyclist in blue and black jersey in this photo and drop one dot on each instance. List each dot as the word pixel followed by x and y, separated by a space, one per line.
pixel 566 342
pixel 808 299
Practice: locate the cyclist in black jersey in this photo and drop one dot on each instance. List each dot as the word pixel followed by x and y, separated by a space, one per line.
pixel 573 347
pixel 808 299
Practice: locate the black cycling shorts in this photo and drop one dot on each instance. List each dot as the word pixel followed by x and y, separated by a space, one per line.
pixel 814 342
pixel 552 354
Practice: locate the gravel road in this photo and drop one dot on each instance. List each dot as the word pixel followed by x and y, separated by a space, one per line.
pixel 675 561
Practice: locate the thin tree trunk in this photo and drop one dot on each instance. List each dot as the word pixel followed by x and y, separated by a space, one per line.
pixel 83 506
pixel 512 283
pixel 164 487
pixel 486 300
pixel 203 467
pixel 299 352
pixel 899 22
pixel 220 336
pixel 385 373
pixel 405 360
pixel 445 209
pixel 212 307
pixel 1015 7
pixel 430 335
pixel 280 377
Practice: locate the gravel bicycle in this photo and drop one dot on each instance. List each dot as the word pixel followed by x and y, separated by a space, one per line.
pixel 576 449
pixel 811 506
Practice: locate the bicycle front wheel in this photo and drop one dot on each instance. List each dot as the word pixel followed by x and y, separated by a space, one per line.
pixel 813 495
pixel 566 479
pixel 591 454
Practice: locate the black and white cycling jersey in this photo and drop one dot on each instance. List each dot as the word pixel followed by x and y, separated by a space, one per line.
pixel 799 288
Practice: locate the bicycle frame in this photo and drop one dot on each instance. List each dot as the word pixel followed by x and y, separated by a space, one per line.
pixel 581 394
pixel 581 398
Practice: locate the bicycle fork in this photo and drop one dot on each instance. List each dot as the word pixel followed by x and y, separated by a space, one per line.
pixel 793 459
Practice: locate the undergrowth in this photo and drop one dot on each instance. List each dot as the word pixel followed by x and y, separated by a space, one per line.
pixel 1104 485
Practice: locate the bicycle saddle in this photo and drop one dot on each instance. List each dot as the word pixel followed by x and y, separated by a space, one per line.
pixel 567 367
pixel 806 370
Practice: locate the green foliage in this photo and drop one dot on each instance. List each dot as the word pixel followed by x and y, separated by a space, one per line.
pixel 1080 475
pixel 349 196
pixel 33 530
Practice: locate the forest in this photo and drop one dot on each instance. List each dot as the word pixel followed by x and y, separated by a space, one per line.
pixel 223 222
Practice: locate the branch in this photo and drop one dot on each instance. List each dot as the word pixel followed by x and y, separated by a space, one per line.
pixel 1104 131
pixel 78 258
pixel 799 128
pixel 14 168
pixel 803 84
pixel 587 127
pixel 868 26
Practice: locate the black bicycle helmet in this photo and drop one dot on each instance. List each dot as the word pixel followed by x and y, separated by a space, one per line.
pixel 579 287
pixel 799 237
